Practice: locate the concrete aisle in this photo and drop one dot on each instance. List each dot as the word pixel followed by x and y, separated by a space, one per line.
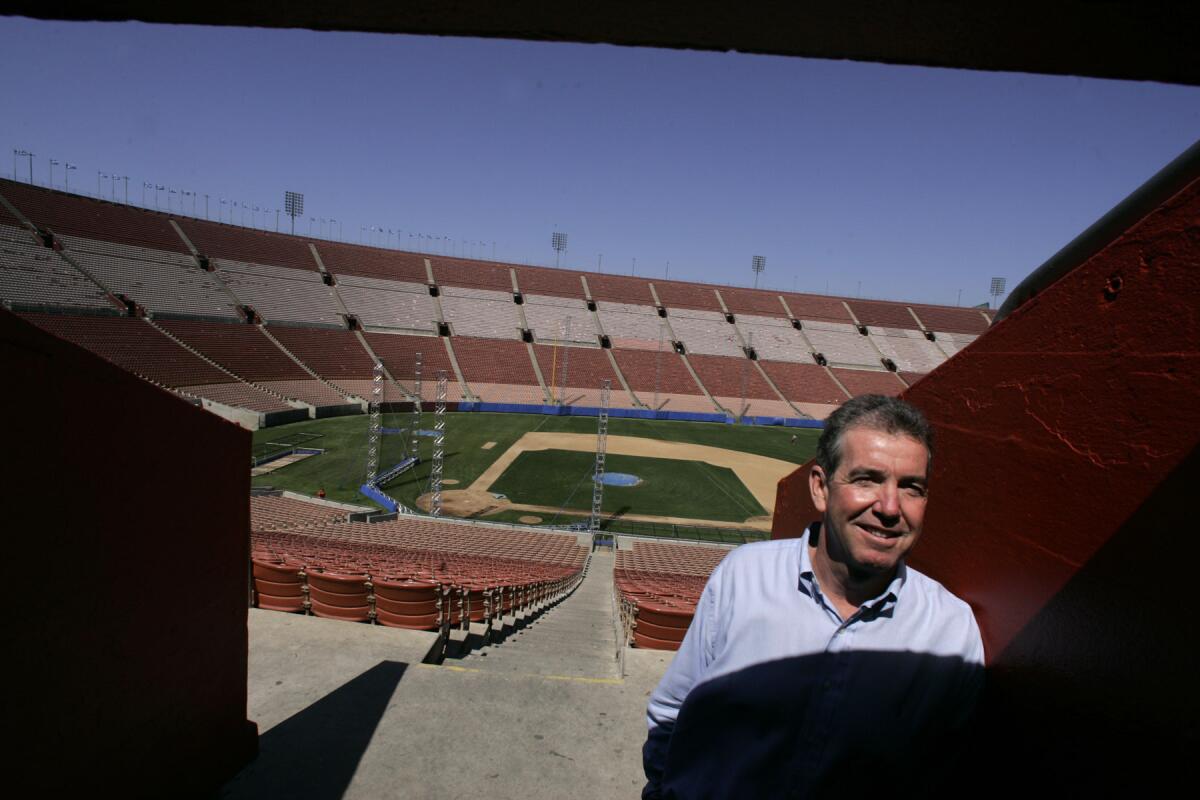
pixel 575 638
pixel 347 711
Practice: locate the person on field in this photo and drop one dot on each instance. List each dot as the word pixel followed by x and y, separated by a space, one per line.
pixel 824 666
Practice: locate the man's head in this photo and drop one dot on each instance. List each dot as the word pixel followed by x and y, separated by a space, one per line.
pixel 870 482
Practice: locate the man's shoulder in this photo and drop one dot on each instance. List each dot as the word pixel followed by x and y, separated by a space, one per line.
pixel 763 552
pixel 943 610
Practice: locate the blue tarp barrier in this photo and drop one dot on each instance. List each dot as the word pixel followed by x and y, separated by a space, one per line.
pixel 636 413
pixel 378 496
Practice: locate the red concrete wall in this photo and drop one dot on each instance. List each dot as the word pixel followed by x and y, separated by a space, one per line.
pixel 1066 453
pixel 127 544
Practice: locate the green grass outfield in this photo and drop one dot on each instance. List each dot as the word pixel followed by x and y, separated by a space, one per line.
pixel 342 468
pixel 669 487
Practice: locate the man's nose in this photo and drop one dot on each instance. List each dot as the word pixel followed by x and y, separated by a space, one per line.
pixel 887 504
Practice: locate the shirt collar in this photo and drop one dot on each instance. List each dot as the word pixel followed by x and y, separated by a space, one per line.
pixel 881 606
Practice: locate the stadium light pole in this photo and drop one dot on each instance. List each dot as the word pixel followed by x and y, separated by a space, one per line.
pixel 67 167
pixel 293 206
pixel 998 288
pixel 99 175
pixel 558 240
pixel 53 164
pixel 757 264
pixel 23 154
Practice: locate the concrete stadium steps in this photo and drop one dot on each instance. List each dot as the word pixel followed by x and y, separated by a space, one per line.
pixel 349 711
pixel 574 638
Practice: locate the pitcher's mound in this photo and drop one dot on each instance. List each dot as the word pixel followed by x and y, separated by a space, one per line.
pixel 529 519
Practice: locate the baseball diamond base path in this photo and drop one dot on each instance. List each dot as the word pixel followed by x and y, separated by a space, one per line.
pixel 759 474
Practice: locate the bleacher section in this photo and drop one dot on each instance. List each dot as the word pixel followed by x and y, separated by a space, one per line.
pixel 139 348
pixel 400 305
pixel 586 370
pixel 498 371
pixel 546 281
pixel 281 293
pixel 705 332
pixel 841 344
pixel 863 382
pixel 659 585
pixel 372 262
pixel 774 338
pixel 159 280
pixel 245 351
pixel 275 513
pixel 546 316
pixel 34 275
pixel 481 312
pixel 633 326
pixel 677 295
pixel 470 274
pixel 70 214
pixel 141 255
pixel 236 244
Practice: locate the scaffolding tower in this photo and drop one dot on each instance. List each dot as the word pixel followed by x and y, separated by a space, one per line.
pixel 375 426
pixel 439 446
pixel 601 446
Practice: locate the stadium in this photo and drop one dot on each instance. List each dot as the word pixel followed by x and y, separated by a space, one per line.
pixel 436 523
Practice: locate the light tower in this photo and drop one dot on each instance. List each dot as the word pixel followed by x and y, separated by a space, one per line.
pixel 758 264
pixel 558 241
pixel 293 205
pixel 998 288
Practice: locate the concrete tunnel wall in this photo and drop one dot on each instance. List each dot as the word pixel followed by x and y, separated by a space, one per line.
pixel 1066 463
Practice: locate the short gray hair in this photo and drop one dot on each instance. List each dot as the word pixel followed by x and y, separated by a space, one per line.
pixel 877 412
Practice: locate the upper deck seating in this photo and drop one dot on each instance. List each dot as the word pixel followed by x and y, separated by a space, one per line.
pixel 636 327
pixel 875 314
pixel 160 280
pixel 804 383
pixel 139 348
pixel 234 243
pixel 481 312
pixel 95 219
pixel 372 262
pixel 280 293
pixel 951 320
pixel 841 343
pixel 774 338
pixel 752 301
pixel 679 295
pixel 472 274
pixel 705 332
pixel 401 305
pixel 909 349
pixel 953 342
pixel 35 275
pixel 859 381
pixel 620 289
pixel 546 281
pixel 911 377
pixel 547 317
pixel 817 308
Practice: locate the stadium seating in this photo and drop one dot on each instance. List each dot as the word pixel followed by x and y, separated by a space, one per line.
pixel 774 338
pixel 234 243
pixel 953 342
pixel 335 355
pixel 498 371
pixel 951 320
pixel 909 349
pixel 481 312
pixel 662 373
pixel 71 214
pixel 159 280
pixel 633 326
pixel 281 293
pixel 874 313
pixel 546 281
pixel 399 355
pixel 841 344
pixel 372 262
pixel 547 316
pixel 752 301
pixel 582 370
pixel 859 381
pixel 659 585
pixel 33 275
pixel 817 309
pixel 277 513
pixel 400 305
pixel 471 274
pixel 620 289
pixel 804 383
pixel 679 295
pixel 705 332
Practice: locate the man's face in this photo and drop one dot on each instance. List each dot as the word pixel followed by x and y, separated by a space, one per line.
pixel 874 502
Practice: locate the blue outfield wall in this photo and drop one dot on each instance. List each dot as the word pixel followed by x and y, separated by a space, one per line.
pixel 637 413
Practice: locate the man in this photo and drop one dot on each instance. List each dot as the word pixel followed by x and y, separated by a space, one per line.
pixel 823 666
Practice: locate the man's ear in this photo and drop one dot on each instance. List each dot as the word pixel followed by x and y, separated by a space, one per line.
pixel 818 486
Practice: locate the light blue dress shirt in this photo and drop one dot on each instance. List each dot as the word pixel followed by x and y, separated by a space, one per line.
pixel 780 682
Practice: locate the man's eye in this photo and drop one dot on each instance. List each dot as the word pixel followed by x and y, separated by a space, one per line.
pixel 915 491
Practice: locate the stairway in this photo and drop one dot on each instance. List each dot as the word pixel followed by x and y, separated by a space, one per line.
pixel 574 638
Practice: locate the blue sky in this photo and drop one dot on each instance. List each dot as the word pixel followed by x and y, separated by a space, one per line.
pixel 857 179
